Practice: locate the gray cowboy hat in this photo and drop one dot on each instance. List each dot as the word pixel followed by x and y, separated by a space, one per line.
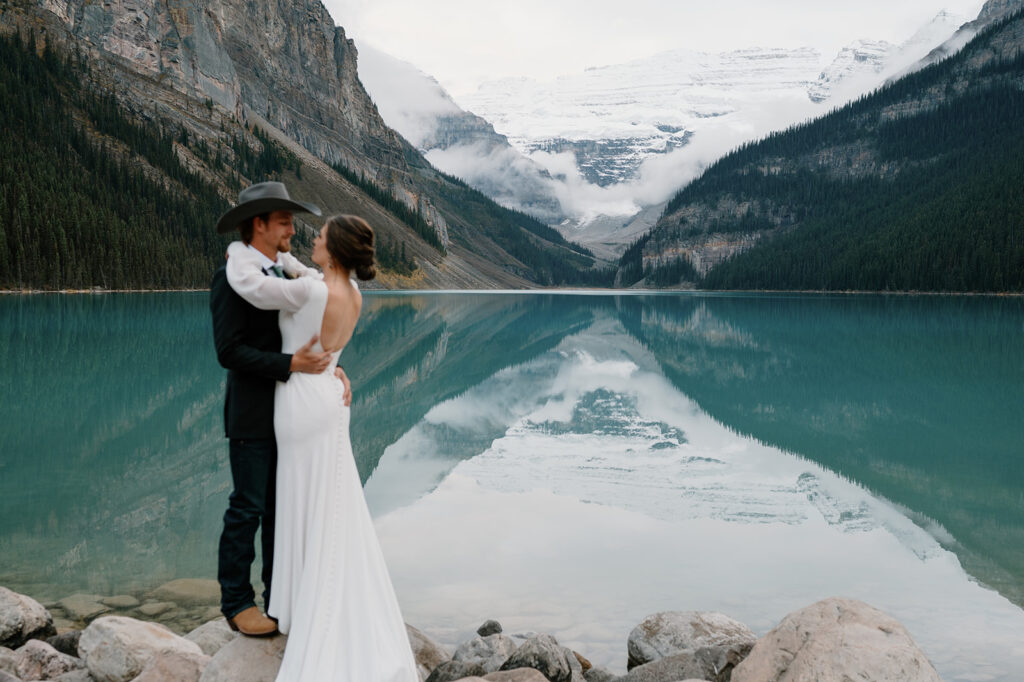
pixel 263 197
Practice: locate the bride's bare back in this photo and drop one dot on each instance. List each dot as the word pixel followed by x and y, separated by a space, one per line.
pixel 344 301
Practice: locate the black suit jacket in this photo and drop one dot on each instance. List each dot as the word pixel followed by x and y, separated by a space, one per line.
pixel 248 344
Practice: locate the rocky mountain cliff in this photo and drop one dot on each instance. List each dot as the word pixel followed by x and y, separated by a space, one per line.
pixel 217 70
pixel 879 194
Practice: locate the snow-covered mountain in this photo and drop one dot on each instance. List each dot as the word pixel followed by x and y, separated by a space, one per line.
pixel 597 153
pixel 865 64
pixel 456 141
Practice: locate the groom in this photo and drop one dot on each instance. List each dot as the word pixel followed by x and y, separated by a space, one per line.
pixel 248 343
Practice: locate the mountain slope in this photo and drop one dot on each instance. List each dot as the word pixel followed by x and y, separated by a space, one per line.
pixel 915 187
pixel 193 68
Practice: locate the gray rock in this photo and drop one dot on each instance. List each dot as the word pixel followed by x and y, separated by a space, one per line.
pixel 37 660
pixel 174 665
pixel 449 671
pixel 246 658
pixel 518 675
pixel 117 648
pixel 83 606
pixel 189 591
pixel 674 632
pixel 211 637
pixel 427 653
pixel 491 651
pixel 155 608
pixel 667 669
pixel 66 643
pixel 8 660
pixel 600 675
pixel 8 677
pixel 835 640
pixel 21 619
pixel 490 627
pixel 543 653
pixel 120 601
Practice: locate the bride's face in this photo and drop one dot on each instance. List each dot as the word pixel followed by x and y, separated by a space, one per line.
pixel 320 255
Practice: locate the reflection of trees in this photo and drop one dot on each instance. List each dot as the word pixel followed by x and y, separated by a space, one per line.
pixel 113 465
pixel 918 399
pixel 112 468
pixel 411 353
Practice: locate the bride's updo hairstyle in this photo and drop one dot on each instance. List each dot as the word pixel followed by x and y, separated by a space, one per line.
pixel 350 244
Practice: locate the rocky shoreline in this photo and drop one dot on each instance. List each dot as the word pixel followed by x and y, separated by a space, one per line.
pixel 92 638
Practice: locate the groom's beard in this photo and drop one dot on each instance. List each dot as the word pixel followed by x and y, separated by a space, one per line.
pixel 285 245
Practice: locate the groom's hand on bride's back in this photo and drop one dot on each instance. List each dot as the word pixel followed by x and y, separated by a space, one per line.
pixel 309 361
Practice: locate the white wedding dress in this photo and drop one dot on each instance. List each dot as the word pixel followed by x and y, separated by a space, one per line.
pixel 332 594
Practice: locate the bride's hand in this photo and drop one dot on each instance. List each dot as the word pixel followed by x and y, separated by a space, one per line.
pixel 347 396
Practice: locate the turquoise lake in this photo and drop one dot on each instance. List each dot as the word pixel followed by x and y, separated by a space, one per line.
pixel 565 463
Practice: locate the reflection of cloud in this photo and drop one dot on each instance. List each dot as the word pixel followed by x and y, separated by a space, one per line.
pixel 535 528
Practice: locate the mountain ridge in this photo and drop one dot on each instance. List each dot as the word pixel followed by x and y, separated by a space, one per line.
pixel 908 188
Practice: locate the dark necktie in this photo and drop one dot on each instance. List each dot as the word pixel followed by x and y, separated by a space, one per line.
pixel 277 271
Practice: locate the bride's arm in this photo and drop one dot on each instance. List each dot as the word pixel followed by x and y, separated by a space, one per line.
pixel 246 277
pixel 293 266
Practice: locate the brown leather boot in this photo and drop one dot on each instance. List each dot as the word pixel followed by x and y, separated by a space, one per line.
pixel 252 623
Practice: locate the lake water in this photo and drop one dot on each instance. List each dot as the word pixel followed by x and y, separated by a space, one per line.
pixel 565 463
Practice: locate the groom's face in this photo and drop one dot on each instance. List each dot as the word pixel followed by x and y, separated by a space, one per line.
pixel 277 232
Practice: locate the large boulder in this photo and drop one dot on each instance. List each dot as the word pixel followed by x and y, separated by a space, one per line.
pixel 37 660
pixel 675 632
pixel 188 591
pixel 491 651
pixel 253 659
pixel 21 619
pixel 427 653
pixel 174 665
pixel 211 637
pixel 836 640
pixel 117 648
pixel 543 653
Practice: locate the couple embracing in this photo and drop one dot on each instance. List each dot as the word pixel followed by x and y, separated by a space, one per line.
pixel 279 328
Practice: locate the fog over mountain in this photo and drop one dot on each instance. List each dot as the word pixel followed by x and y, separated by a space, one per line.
pixel 597 153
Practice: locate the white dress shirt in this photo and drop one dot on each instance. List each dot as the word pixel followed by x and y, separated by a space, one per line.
pixel 245 273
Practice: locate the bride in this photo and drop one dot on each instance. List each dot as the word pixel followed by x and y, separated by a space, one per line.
pixel 332 593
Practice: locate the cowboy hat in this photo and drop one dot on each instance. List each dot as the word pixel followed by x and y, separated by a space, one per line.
pixel 263 197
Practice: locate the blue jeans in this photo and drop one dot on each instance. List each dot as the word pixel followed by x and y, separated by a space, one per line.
pixel 254 473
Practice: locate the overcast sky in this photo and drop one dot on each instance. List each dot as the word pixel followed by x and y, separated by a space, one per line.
pixel 464 42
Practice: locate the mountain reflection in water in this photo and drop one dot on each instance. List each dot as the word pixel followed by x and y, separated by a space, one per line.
pixel 113 468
